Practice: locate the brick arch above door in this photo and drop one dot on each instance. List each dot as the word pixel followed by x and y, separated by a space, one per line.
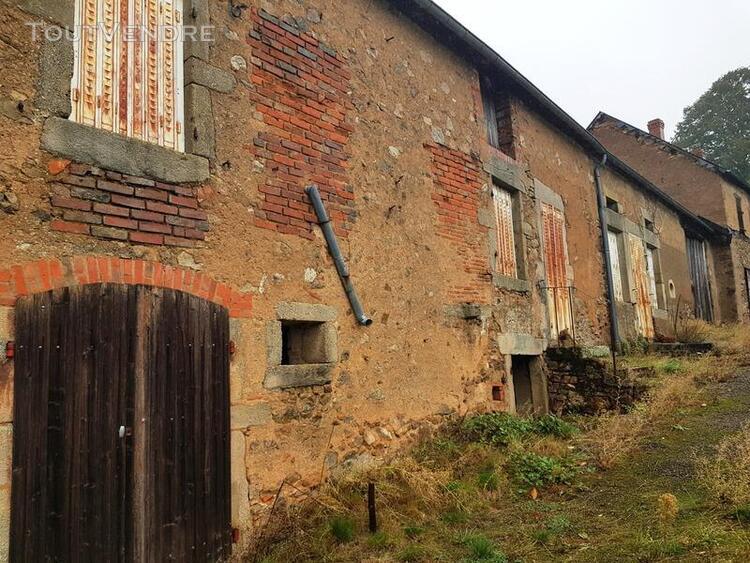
pixel 44 275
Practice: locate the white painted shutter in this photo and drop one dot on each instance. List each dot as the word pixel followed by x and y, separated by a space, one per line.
pixel 128 75
pixel 614 258
pixel 505 262
pixel 651 275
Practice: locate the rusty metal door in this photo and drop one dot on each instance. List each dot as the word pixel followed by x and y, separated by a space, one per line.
pixel 559 291
pixel 644 320
pixel 703 306
pixel 121 427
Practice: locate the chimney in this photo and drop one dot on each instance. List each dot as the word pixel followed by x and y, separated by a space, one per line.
pixel 656 128
pixel 700 153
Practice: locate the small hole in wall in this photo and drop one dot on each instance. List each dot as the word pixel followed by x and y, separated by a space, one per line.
pixel 672 290
pixel 302 343
pixel 497 393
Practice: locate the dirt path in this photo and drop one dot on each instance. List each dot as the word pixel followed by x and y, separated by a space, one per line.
pixel 616 518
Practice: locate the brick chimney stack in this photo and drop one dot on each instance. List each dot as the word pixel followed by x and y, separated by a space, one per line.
pixel 700 153
pixel 656 128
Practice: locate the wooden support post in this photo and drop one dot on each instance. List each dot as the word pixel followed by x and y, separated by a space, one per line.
pixel 371 507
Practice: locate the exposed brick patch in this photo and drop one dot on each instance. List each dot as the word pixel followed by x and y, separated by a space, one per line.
pixel 45 275
pixel 300 90
pixel 120 207
pixel 458 181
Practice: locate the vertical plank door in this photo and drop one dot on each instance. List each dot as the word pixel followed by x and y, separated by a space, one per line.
pixel 70 490
pixel 121 427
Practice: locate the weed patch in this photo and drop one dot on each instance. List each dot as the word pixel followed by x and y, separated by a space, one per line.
pixel 726 473
pixel 342 528
pixel 539 471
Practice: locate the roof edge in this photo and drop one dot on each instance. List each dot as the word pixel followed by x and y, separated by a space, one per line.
pixel 601 117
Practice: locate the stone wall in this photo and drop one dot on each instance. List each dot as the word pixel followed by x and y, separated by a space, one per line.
pixel 356 98
pixel 584 385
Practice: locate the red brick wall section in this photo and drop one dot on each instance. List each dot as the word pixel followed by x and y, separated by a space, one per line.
pixel 458 181
pixel 110 205
pixel 45 275
pixel 300 90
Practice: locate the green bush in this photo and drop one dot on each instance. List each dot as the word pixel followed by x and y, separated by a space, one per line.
pixel 539 471
pixel 671 366
pixel 501 429
pixel 550 425
pixel 497 429
pixel 342 528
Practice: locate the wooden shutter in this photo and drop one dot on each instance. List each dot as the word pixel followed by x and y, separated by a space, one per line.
pixel 505 262
pixel 614 259
pixel 556 260
pixel 643 315
pixel 651 270
pixel 128 74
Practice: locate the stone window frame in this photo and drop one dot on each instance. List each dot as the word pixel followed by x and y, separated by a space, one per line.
pixel 511 178
pixel 625 227
pixel 545 194
pixel 114 152
pixel 279 376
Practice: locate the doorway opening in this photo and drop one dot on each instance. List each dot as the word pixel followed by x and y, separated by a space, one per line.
pixel 529 385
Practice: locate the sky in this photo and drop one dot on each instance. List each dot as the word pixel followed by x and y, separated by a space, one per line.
pixel 634 59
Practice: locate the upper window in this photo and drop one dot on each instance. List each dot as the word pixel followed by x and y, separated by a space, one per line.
pixel 506 262
pixel 128 73
pixel 613 205
pixel 497 116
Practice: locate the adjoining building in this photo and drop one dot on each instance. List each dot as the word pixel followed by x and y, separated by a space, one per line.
pixel 706 190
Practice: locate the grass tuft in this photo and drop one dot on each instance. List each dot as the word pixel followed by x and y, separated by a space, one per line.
pixel 342 528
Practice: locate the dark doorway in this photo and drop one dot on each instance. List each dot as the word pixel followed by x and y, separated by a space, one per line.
pixel 529 385
pixel 522 387
pixel 121 436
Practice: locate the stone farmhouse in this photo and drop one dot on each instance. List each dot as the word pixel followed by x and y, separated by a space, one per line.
pixel 715 194
pixel 186 338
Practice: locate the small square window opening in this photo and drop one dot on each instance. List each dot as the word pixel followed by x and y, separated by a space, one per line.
pixel 303 343
pixel 613 205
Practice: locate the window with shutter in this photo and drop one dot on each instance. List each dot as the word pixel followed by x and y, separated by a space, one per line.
pixel 505 262
pixel 556 266
pixel 128 74
pixel 614 259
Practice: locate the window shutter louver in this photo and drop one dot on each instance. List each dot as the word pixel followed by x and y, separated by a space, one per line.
pixel 614 258
pixel 506 244
pixel 556 260
pixel 128 75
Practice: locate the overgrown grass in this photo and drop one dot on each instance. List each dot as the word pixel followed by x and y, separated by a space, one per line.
pixel 498 487
pixel 726 471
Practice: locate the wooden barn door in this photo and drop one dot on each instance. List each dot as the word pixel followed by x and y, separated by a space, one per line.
pixel 698 263
pixel 121 427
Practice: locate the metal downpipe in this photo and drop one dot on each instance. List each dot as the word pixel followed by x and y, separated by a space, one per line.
pixel 614 331
pixel 333 248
